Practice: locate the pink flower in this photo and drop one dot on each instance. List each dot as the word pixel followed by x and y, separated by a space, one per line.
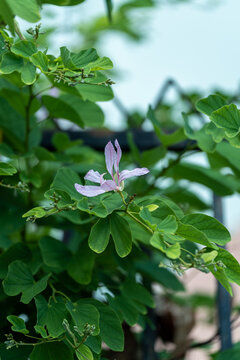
pixel 112 159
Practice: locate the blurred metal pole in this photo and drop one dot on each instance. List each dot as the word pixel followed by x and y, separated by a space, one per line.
pixel 149 339
pixel 223 297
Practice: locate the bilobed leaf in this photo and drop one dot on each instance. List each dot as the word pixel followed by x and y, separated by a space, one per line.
pixel 209 226
pixel 20 280
pixel 11 63
pixel 40 60
pixel 99 235
pixel 172 251
pixel 51 351
pixel 210 104
pixel 7 169
pixel 168 225
pixel 228 119
pixel 84 314
pixel 24 48
pixel 50 315
pixel 18 324
pixel 121 234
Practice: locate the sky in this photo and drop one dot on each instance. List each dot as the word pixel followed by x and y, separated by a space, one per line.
pixel 195 44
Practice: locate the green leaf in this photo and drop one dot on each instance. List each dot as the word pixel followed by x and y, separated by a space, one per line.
pixel 11 63
pixel 80 267
pixel 40 60
pixel 121 304
pixel 95 343
pixel 99 236
pixel 24 48
pixel 37 212
pixel 209 226
pixel 163 276
pixel 50 315
pixel 209 256
pixel 7 169
pixel 51 351
pixel 137 292
pixel 41 331
pixel 103 63
pixel 192 233
pixel 7 15
pixel 84 314
pixel 94 92
pixel 26 9
pixel 220 184
pixel 220 275
pixel 65 180
pixel 110 326
pixel 172 251
pixel 84 57
pixel 28 73
pixel 18 324
pixel 121 234
pixel 54 253
pixel 84 353
pixel 204 140
pixel 20 280
pixel 166 139
pixel 210 104
pixel 232 269
pixel 90 114
pixel 59 108
pixel 228 119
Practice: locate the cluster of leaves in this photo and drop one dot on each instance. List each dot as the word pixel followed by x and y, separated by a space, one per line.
pixel 76 268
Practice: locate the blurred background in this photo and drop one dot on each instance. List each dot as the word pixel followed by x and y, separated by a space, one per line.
pixel 192 46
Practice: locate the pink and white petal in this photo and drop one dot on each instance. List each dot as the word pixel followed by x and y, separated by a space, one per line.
pixel 89 190
pixel 93 176
pixel 110 157
pixel 125 174
pixel 118 158
pixel 109 185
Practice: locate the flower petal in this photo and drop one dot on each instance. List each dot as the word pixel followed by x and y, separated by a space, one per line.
pixel 89 190
pixel 125 174
pixel 93 176
pixel 110 157
pixel 118 158
pixel 109 185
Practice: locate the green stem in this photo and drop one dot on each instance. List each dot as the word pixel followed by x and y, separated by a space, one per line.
pixel 18 31
pixel 140 222
pixel 55 291
pixel 123 200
